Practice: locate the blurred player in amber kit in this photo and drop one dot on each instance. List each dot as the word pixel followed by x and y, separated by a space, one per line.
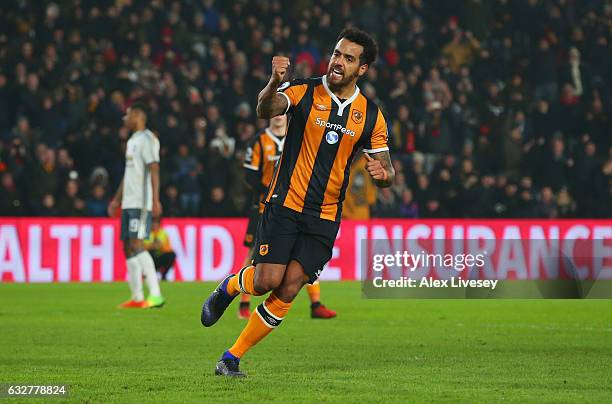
pixel 330 121
pixel 260 162
pixel 138 196
pixel 158 245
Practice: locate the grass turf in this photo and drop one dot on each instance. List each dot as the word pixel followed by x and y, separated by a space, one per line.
pixel 375 351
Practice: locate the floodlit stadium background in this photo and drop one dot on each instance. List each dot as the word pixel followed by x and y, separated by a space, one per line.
pixel 491 115
pixel 500 132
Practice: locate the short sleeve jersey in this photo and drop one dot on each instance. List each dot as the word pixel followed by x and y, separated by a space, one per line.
pixel 142 149
pixel 323 135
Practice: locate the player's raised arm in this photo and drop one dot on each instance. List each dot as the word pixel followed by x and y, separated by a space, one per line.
pixel 380 168
pixel 269 102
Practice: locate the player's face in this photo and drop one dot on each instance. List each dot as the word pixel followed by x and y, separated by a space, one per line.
pixel 279 124
pixel 344 66
pixel 129 119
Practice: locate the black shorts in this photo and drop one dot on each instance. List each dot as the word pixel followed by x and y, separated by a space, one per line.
pixel 135 224
pixel 284 235
pixel 254 217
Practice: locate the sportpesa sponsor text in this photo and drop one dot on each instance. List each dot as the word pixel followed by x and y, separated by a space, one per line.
pixel 334 126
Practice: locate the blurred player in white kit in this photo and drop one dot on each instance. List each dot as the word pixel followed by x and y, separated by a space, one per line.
pixel 138 196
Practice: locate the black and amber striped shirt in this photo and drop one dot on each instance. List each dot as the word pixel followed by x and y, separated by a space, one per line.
pixel 323 135
pixel 261 157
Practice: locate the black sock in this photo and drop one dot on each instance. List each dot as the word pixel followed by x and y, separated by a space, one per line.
pixel 315 305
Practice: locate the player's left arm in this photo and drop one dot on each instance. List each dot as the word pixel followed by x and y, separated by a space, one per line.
pixel 157 208
pixel 376 150
pixel 380 168
pixel 116 201
pixel 151 158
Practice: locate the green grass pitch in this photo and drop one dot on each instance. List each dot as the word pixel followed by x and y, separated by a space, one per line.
pixel 375 351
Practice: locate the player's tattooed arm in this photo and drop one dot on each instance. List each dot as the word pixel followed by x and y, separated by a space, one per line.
pixel 269 102
pixel 380 168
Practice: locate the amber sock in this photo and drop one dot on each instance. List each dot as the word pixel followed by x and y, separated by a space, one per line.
pixel 266 317
pixel 243 282
pixel 314 292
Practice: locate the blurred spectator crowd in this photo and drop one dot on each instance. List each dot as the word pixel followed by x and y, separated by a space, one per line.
pixel 496 108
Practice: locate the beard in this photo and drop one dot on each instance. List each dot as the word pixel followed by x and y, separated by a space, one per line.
pixel 346 80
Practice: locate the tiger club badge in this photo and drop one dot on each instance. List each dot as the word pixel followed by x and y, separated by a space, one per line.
pixel 263 249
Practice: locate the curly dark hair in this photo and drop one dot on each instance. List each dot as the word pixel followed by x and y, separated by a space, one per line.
pixel 360 37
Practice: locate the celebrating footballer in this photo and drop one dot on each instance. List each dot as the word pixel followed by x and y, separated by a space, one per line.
pixel 330 121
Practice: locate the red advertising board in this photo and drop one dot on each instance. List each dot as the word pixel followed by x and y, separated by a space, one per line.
pixel 89 250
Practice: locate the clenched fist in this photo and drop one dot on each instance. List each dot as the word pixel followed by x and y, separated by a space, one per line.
pixel 375 168
pixel 280 65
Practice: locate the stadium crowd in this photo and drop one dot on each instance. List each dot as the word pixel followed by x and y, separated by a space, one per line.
pixel 495 108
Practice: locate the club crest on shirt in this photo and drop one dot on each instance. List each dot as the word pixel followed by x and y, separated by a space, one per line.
pixel 357 116
pixel 263 249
